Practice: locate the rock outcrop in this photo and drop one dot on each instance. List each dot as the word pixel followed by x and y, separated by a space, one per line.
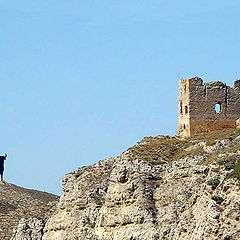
pixel 29 229
pixel 161 188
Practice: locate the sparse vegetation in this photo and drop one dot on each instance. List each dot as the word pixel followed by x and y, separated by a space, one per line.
pixel 217 199
pixel 236 170
pixel 229 167
pixel 214 182
pixel 160 149
pixel 229 175
pixel 211 137
pixel 17 203
pixel 232 164
pixel 193 152
pixel 6 207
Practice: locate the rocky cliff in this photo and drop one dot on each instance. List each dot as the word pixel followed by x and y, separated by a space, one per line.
pixel 17 203
pixel 162 188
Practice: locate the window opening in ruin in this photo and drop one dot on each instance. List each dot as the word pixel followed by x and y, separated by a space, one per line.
pixel 186 109
pixel 218 108
pixel 184 126
pixel 181 107
pixel 185 87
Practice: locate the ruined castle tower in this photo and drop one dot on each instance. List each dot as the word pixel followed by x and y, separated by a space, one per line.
pixel 207 107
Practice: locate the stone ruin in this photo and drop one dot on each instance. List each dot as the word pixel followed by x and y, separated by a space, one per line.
pixel 207 107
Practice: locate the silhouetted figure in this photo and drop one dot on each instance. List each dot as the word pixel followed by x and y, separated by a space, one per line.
pixel 2 159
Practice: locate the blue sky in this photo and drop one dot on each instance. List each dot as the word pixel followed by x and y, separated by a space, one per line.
pixel 84 80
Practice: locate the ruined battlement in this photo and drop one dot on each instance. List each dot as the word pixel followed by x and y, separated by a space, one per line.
pixel 205 107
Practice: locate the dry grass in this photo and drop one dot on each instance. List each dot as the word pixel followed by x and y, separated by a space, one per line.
pixel 162 149
pixel 210 138
pixel 193 152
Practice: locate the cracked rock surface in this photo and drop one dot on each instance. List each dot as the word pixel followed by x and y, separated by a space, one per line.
pixel 29 229
pixel 161 188
pixel 164 188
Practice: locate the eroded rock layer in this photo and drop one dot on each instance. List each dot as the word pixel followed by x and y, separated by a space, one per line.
pixel 162 188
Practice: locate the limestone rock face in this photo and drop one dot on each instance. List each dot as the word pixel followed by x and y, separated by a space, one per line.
pixel 162 188
pixel 30 229
pixel 80 205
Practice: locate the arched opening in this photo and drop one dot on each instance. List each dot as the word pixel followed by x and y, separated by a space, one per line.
pixel 186 109
pixel 218 107
pixel 184 126
pixel 185 87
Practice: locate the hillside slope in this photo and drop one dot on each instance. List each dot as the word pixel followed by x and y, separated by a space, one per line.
pixel 164 188
pixel 17 203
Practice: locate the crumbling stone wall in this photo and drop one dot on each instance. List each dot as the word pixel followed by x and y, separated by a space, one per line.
pixel 207 107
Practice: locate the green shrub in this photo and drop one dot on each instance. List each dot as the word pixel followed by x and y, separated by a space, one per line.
pixel 229 167
pixel 236 170
pixel 229 175
pixel 221 162
pixel 224 161
pixel 214 182
pixel 217 199
pixel 227 160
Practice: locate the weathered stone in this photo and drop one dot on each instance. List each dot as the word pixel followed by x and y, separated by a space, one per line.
pixel 198 102
pixel 134 196
pixel 29 229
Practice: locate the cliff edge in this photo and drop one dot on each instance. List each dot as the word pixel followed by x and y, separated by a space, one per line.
pixel 161 188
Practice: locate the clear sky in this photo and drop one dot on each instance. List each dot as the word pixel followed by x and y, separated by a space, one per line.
pixel 84 80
